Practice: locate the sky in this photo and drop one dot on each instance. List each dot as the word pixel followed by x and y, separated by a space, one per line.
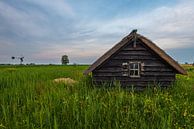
pixel 44 30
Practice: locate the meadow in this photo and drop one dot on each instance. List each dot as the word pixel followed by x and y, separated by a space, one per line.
pixel 29 99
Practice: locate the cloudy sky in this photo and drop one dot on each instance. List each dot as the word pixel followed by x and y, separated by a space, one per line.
pixel 43 30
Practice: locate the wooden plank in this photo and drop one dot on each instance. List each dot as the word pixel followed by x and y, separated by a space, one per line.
pixel 142 77
pixel 135 57
pixel 114 65
pixel 157 69
pixel 118 65
pixel 146 83
pixel 109 69
pixel 134 53
pixel 107 74
pixel 137 84
pixel 146 62
pixel 112 62
pixel 113 70
pixel 145 70
pixel 102 78
pixel 158 73
pixel 130 44
pixel 156 65
pixel 134 49
pixel 156 62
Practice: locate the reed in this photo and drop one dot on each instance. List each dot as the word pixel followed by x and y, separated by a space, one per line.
pixel 30 99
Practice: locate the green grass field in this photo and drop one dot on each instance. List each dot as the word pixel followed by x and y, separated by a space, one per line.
pixel 29 99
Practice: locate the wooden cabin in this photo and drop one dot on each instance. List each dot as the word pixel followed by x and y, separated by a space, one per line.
pixel 135 61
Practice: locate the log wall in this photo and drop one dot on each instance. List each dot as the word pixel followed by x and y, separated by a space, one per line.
pixel 154 70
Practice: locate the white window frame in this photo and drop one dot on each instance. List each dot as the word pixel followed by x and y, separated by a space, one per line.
pixel 125 69
pixel 135 69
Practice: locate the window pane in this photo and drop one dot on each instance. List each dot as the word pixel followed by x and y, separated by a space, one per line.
pixel 131 66
pixel 136 73
pixel 136 65
pixel 132 72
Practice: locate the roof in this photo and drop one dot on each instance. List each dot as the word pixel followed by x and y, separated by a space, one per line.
pixel 147 42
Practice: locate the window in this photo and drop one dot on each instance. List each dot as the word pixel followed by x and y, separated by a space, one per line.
pixel 125 70
pixel 131 69
pixel 134 69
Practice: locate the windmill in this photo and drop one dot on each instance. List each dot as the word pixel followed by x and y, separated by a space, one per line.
pixel 21 58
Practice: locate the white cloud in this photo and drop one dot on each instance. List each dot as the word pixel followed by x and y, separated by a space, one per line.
pixel 169 27
pixel 23 23
pixel 33 22
pixel 59 7
pixel 81 50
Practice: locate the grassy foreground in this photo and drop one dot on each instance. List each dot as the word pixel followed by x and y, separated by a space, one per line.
pixel 29 99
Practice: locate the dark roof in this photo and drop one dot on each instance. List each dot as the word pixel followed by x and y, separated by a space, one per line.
pixel 147 42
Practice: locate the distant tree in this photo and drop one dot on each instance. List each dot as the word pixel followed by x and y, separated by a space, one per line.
pixel 20 58
pixel 186 62
pixel 64 60
pixel 31 64
pixel 75 64
pixel 12 57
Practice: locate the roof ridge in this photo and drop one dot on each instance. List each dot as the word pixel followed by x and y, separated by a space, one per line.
pixel 163 55
pixel 107 54
pixel 146 41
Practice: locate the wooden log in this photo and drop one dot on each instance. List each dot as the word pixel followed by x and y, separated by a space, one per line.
pixel 101 78
pixel 137 84
pixel 145 57
pixel 134 49
pixel 134 53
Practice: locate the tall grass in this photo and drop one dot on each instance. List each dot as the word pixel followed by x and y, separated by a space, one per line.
pixel 30 99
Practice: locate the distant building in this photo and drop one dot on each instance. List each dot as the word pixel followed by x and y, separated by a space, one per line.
pixel 136 61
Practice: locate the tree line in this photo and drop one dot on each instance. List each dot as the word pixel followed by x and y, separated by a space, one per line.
pixel 64 59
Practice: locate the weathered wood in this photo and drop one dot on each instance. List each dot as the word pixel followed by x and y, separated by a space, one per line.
pixel 109 70
pixel 147 78
pixel 144 73
pixel 158 74
pixel 136 84
pixel 134 53
pixel 134 49
pixel 143 57
pixel 107 74
pixel 147 63
pixel 154 69
pixel 142 43
pixel 145 69
pixel 127 79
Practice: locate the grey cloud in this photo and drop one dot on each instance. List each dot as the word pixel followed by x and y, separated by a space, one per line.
pixel 58 7
pixel 165 25
pixel 44 34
